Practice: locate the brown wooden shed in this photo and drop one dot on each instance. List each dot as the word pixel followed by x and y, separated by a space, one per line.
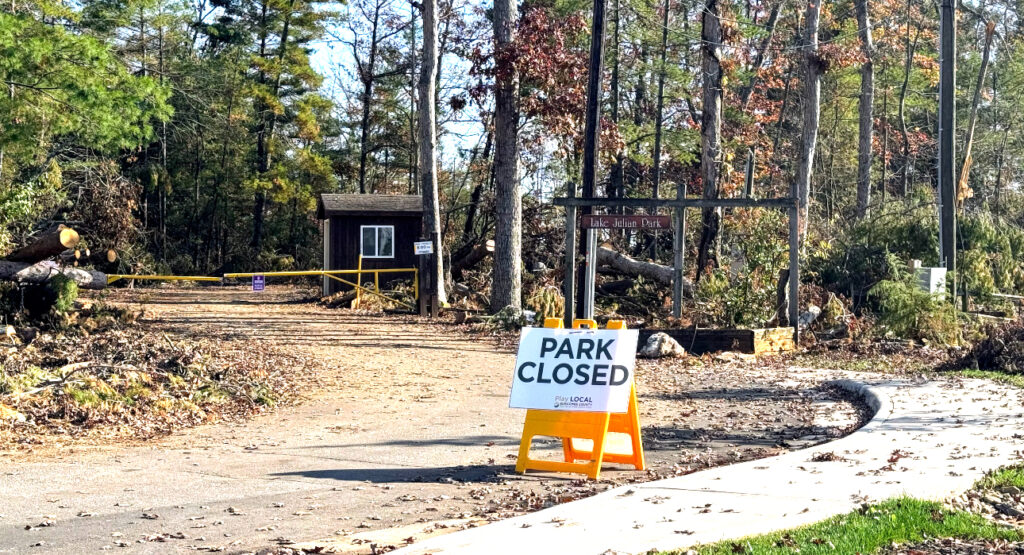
pixel 380 227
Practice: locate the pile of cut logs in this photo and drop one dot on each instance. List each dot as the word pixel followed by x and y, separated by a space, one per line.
pixel 55 252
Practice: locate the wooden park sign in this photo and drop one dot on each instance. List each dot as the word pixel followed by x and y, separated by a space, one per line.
pixel 612 221
pixel 578 385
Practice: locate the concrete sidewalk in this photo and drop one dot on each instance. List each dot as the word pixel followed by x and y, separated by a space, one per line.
pixel 928 439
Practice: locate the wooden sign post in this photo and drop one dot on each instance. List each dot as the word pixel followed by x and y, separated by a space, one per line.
pixel 572 424
pixel 429 303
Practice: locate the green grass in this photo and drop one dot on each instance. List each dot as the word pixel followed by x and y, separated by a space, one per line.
pixel 1001 377
pixel 866 362
pixel 1007 476
pixel 896 521
pixel 886 365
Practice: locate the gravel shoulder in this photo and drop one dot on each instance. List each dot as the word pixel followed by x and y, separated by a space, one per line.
pixel 407 424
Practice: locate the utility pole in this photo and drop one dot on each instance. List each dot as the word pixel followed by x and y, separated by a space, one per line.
pixel 947 132
pixel 591 138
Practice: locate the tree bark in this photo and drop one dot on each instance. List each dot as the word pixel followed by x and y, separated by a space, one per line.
pixel 812 111
pixel 902 107
pixel 866 110
pixel 617 171
pixel 262 143
pixel 710 131
pixel 990 28
pixel 660 111
pixel 883 182
pixel 51 243
pixel 473 257
pixel 428 144
pixel 41 272
pixel 414 177
pixel 469 228
pixel 508 229
pixel 633 267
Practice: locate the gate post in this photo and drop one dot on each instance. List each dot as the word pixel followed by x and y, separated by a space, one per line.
pixel 424 284
pixel 678 250
pixel 569 285
pixel 794 272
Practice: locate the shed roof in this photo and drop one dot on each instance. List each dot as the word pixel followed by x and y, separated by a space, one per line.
pixel 355 205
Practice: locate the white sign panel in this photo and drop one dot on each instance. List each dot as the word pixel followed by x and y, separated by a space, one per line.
pixel 574 370
pixel 423 247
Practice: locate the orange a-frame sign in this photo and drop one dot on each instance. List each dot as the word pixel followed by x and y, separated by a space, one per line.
pixel 592 426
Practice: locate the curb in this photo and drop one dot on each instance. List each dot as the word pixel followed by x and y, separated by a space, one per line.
pixel 876 399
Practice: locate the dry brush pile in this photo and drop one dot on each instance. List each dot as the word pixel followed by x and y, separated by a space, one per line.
pixel 104 373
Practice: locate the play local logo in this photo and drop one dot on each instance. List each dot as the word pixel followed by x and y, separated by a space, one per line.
pixel 574 370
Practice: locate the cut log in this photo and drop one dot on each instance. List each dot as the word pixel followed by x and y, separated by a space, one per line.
pixel 633 267
pixel 70 254
pixel 41 272
pixel 101 259
pixel 46 245
pixel 341 298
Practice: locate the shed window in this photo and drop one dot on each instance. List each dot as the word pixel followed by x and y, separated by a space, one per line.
pixel 378 241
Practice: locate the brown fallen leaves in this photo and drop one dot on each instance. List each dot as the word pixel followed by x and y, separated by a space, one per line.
pixel 132 380
pixel 949 546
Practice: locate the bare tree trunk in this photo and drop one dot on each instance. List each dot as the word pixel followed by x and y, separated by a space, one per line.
pixel 428 144
pixel 366 76
pixel 990 28
pixel 660 111
pixel 469 228
pixel 163 149
pixel 885 136
pixel 508 229
pixel 617 172
pixel 41 272
pixel 910 48
pixel 414 178
pixel 710 131
pixel 866 111
pixel 262 143
pixel 812 111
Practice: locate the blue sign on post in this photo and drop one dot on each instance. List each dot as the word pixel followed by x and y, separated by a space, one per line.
pixel 258 282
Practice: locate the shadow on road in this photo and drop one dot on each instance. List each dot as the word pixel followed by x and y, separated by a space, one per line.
pixel 469 441
pixel 475 473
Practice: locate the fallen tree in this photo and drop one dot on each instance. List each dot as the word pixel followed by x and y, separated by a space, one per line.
pixel 632 267
pixel 46 245
pixel 41 272
pixel 468 257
